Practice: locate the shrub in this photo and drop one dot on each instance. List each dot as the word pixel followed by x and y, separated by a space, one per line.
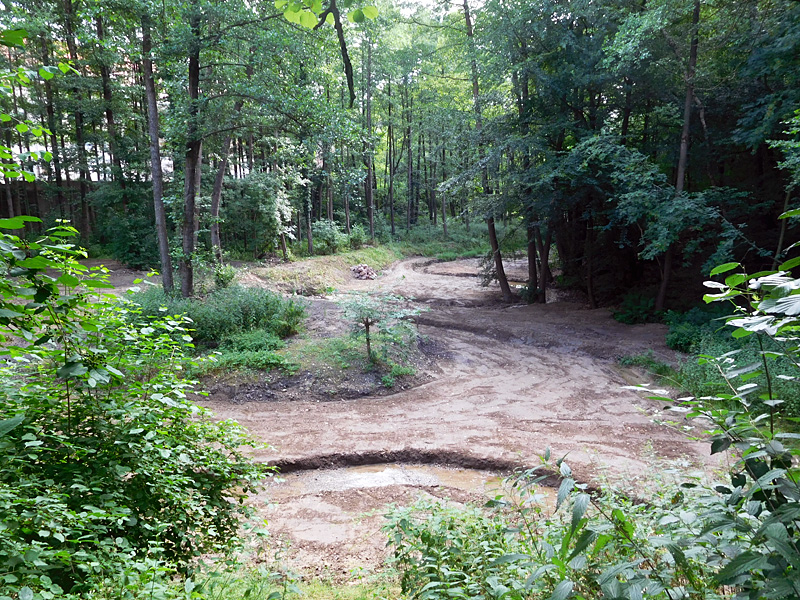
pixel 106 468
pixel 223 276
pixel 328 236
pixel 358 237
pixel 227 312
pixel 636 309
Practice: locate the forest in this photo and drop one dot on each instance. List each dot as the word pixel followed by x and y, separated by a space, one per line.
pixel 545 244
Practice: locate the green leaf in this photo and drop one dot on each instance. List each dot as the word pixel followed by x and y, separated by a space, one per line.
pixel 740 333
pixel 357 16
pixel 562 591
pixel 724 268
pixel 507 558
pixel 13 223
pixel 22 127
pixel 720 445
pixel 13 37
pixel 579 509
pixel 5 118
pixel 371 12
pixel 45 74
pixel 330 20
pixel 746 562
pixel 69 280
pixel 9 424
pixel 790 264
pixel 307 19
pixel 281 4
pixel 790 213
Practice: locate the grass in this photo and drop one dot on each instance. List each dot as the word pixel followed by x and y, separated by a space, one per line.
pixel 260 584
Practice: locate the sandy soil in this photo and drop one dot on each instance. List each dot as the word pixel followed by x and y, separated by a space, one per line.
pixel 510 382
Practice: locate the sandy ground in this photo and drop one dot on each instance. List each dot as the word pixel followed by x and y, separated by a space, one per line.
pixel 511 382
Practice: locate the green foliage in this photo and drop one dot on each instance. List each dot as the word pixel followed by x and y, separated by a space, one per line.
pixel 223 276
pixel 426 240
pixel 396 371
pixel 358 236
pixel 227 312
pixel 110 478
pixel 328 236
pixel 382 320
pixel 636 309
pixel 649 362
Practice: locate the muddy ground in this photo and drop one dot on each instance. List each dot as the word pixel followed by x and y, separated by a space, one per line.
pixel 508 382
pixel 501 384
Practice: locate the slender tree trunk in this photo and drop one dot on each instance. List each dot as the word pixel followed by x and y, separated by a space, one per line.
pixel 683 155
pixel 391 153
pixel 216 197
pixel 369 154
pixel 111 125
pixel 83 172
pixel 51 125
pixel 192 157
pixel 498 259
pixel 155 158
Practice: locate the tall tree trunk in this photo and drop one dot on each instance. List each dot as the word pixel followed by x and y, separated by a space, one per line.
pixel 683 154
pixel 369 154
pixel 83 169
pixel 216 196
pixel 155 158
pixel 111 125
pixel 51 125
pixel 192 157
pixel 498 259
pixel 391 152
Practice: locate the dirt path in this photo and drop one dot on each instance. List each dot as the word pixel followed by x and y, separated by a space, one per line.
pixel 514 381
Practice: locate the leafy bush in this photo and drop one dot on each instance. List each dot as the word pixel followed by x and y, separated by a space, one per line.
pixel 223 276
pixel 689 328
pixel 227 312
pixel 107 471
pixel 328 236
pixel 636 309
pixel 358 236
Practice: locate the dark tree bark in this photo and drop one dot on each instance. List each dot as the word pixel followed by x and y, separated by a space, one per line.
pixel 192 158
pixel 155 158
pixel 83 169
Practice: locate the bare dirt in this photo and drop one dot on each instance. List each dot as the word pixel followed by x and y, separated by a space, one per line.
pixel 509 382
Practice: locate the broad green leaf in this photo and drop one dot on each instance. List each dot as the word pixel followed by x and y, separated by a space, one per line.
pixel 371 12
pixel 579 509
pixel 69 280
pixel 724 268
pixel 292 17
pixel 307 19
pixel 281 4
pixel 8 424
pixel 25 593
pixel 746 562
pixel 45 73
pixel 13 37
pixel 562 591
pixel 22 127
pixel 329 19
pixel 13 223
pixel 357 16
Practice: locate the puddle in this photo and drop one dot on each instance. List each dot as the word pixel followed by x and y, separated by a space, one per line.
pixel 328 521
pixel 381 476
